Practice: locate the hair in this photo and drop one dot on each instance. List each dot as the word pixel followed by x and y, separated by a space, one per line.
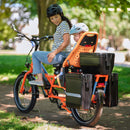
pixel 56 9
pixel 67 20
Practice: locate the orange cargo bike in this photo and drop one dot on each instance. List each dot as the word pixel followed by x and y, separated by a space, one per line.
pixel 87 84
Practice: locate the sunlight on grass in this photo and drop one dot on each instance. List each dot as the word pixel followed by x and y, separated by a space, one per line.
pixel 8 78
pixel 9 121
pixel 126 95
pixel 117 69
pixel 51 127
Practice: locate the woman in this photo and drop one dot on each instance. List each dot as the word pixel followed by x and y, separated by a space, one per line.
pixel 61 46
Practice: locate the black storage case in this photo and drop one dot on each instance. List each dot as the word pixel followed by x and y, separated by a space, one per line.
pixel 73 90
pixel 97 63
pixel 78 90
pixel 111 95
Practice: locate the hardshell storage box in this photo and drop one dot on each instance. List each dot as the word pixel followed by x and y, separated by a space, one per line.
pixel 111 94
pixel 78 90
pixel 97 63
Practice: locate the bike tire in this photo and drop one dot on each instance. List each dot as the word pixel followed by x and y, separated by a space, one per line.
pixel 82 116
pixel 25 102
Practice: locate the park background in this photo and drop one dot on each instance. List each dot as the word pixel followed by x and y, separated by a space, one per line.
pixel 111 19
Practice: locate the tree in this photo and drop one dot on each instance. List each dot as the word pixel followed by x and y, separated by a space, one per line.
pixel 45 26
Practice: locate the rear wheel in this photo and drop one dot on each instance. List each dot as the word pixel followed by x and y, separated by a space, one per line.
pixel 26 100
pixel 89 117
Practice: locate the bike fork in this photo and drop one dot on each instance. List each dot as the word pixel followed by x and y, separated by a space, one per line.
pixel 25 76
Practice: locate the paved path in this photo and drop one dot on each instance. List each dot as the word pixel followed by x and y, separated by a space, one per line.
pixel 125 64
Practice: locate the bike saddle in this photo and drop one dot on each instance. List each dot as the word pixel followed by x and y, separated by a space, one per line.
pixel 57 65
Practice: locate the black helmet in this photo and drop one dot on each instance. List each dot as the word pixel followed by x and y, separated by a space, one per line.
pixel 53 10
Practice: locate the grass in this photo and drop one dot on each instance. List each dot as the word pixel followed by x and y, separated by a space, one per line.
pixel 8 121
pixel 123 80
pixel 12 65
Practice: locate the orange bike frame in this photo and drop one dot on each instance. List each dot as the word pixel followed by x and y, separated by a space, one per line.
pixel 99 85
pixel 51 79
pixel 25 76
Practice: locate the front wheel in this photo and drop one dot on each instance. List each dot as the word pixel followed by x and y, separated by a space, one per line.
pixel 26 100
pixel 89 117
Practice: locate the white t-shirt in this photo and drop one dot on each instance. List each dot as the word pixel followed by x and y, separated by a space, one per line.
pixel 58 36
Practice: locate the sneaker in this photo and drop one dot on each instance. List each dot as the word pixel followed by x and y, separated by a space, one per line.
pixel 34 82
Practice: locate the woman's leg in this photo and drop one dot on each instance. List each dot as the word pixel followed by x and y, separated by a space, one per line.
pixel 41 56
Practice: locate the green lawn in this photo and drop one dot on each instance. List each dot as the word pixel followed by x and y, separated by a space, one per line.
pixel 12 65
pixel 123 80
pixel 8 121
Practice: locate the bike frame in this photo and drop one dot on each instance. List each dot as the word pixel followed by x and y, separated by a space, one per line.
pixel 52 78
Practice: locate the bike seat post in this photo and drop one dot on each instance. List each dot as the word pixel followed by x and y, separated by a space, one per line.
pixel 57 68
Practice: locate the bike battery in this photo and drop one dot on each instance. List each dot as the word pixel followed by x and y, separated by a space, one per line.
pixel 97 63
pixel 111 94
pixel 78 90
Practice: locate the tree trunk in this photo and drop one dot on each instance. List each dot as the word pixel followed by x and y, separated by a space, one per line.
pixel 45 26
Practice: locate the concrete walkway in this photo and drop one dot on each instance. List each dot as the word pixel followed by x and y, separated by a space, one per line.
pixel 125 64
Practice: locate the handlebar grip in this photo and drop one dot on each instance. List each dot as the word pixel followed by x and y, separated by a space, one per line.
pixel 50 37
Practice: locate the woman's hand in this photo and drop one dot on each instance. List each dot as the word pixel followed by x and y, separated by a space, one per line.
pixel 51 56
pixel 66 38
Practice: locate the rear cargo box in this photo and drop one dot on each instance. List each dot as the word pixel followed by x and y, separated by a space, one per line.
pixel 78 90
pixel 111 95
pixel 97 63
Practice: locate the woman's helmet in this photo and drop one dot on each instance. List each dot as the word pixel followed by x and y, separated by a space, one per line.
pixel 53 10
pixel 79 27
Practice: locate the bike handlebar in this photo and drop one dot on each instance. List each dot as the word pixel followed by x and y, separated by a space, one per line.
pixel 34 40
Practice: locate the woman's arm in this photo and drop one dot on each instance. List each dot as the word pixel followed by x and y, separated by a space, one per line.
pixel 66 41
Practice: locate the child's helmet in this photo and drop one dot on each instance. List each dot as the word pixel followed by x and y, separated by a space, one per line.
pixel 53 10
pixel 79 27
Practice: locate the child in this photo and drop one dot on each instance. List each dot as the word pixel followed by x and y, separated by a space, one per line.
pixel 77 30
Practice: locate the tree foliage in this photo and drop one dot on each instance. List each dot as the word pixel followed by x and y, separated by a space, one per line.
pixel 99 5
pixel 87 11
pixel 4 15
pixel 12 11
